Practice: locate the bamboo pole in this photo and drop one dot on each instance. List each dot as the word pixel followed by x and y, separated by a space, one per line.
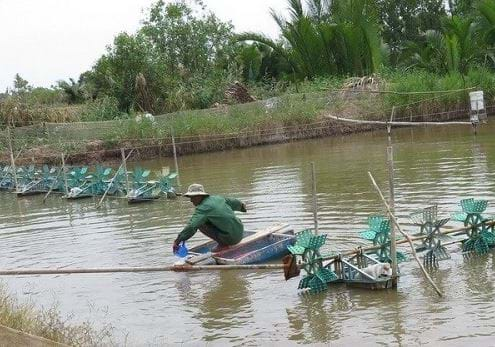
pixel 174 148
pixel 393 236
pixel 176 268
pixel 12 160
pixel 408 238
pixel 394 123
pixel 187 267
pixel 389 125
pixel 113 178
pixel 390 164
pixel 315 200
pixel 53 186
pixel 124 165
pixel 415 238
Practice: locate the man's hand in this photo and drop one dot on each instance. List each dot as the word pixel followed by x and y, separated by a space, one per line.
pixel 175 247
pixel 243 207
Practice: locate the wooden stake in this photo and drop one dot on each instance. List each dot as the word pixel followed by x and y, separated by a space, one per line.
pixel 124 165
pixel 408 238
pixel 175 156
pixel 66 186
pixel 315 201
pixel 53 186
pixel 389 125
pixel 393 236
pixel 12 161
pixel 113 178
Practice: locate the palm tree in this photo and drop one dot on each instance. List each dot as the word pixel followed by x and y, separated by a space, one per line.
pixel 72 90
pixel 453 49
pixel 327 38
pixel 487 25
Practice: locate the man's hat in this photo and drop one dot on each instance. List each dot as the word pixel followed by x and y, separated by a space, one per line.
pixel 195 189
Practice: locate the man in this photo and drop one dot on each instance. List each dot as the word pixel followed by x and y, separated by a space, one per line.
pixel 214 216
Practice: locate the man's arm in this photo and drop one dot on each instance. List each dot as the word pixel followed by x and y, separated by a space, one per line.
pixel 235 204
pixel 197 219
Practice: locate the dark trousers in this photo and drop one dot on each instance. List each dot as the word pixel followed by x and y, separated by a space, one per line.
pixel 212 232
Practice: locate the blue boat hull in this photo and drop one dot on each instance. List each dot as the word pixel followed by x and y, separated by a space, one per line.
pixel 261 250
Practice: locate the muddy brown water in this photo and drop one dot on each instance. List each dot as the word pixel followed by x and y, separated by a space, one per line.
pixel 433 165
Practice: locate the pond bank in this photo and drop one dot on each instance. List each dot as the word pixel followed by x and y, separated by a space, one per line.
pixel 238 126
pixel 325 127
pixel 12 337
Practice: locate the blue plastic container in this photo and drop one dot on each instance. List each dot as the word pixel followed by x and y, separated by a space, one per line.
pixel 182 251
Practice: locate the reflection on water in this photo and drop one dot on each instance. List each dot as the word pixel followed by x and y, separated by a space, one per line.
pixel 441 165
pixel 224 305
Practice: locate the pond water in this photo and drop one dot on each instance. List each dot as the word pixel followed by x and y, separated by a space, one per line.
pixel 432 165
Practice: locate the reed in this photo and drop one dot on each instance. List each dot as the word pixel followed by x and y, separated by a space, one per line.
pixel 49 323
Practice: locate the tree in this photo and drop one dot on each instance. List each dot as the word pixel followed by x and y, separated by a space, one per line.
pixel 328 38
pixel 73 91
pixel 486 9
pixel 454 48
pixel 114 74
pixel 178 59
pixel 462 7
pixel 407 21
pixel 250 58
pixel 20 84
pixel 187 44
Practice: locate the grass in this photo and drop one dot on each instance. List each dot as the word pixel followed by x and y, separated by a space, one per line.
pixel 285 108
pixel 421 81
pixel 49 323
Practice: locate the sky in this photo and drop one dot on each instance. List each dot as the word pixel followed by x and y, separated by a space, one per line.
pixel 50 40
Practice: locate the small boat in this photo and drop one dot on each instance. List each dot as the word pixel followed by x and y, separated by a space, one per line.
pixel 255 247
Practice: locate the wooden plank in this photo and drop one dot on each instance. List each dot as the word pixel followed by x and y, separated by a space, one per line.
pixel 276 246
pixel 280 228
pixel 198 258
pixel 259 235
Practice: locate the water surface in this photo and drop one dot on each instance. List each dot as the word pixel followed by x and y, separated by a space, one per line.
pixel 437 165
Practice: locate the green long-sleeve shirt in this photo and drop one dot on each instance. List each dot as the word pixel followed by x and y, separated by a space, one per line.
pixel 218 211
